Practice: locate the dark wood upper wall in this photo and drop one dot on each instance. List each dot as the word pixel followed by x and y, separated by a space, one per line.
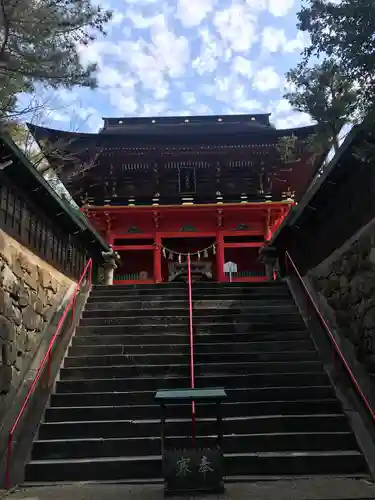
pixel 245 161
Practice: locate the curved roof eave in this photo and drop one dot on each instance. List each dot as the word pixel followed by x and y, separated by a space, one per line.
pixel 39 132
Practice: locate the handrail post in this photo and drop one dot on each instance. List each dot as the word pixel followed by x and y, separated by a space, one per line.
pixel 192 379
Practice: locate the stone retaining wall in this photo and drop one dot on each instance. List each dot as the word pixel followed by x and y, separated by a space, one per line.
pixel 345 282
pixel 30 291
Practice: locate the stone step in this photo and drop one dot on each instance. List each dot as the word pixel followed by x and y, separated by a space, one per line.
pixel 176 370
pixel 152 304
pixel 235 464
pixel 204 427
pixel 230 327
pixel 198 295
pixel 146 446
pixel 223 380
pixel 152 410
pixel 135 316
pixel 99 346
pixel 166 359
pixel 287 318
pixel 183 339
pixel 257 395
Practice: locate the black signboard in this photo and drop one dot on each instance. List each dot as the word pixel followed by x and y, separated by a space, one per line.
pixel 195 469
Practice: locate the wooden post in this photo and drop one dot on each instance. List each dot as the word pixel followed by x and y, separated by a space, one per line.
pixel 220 257
pixel 157 258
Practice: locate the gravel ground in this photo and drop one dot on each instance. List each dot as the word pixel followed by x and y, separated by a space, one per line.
pixel 292 489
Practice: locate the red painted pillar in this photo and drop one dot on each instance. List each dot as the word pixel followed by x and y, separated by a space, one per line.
pixel 220 277
pixel 157 259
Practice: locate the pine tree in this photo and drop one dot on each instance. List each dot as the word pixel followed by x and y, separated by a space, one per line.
pixel 38 43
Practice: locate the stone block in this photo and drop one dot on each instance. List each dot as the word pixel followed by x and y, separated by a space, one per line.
pixel 7 329
pixel 25 263
pixel 42 295
pixel 5 304
pixel 369 319
pixel 16 316
pixel 16 267
pixel 37 304
pixel 371 256
pixel 31 319
pixel 44 278
pixel 7 278
pixel 31 340
pixel 6 250
pixel 21 340
pixel 364 245
pixel 9 353
pixel 6 375
pixel 50 297
pixel 20 294
pixel 31 279
pixel 19 361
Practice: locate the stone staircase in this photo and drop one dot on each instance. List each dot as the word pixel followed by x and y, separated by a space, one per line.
pixel 282 416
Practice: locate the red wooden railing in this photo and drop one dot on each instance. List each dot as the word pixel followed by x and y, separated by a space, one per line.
pixel 290 266
pixel 47 360
pixel 192 377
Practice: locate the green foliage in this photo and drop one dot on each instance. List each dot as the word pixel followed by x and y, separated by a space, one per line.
pixel 38 43
pixel 344 31
pixel 326 95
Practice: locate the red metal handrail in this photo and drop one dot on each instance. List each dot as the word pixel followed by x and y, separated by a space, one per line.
pixel 192 377
pixel 330 335
pixel 47 359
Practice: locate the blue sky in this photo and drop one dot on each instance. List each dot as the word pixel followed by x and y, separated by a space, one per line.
pixel 188 57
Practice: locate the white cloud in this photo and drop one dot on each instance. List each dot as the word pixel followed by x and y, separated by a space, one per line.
pixel 109 77
pixel 282 106
pixel 189 98
pixel 212 51
pixel 139 21
pixel 294 120
pixel 280 8
pixel 275 40
pixel 298 43
pixel 237 26
pixel 89 116
pixel 170 51
pixel 266 79
pixel 153 109
pixel 193 12
pixel 242 66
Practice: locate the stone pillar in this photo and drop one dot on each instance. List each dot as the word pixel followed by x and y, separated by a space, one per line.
pixel 109 269
pixel 268 257
pixel 110 264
